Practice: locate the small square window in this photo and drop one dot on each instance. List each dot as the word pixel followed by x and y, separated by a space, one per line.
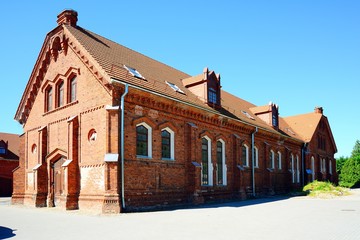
pixel 134 72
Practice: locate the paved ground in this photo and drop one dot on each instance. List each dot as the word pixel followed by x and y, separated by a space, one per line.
pixel 274 218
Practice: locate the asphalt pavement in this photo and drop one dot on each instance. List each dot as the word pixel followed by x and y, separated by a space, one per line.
pixel 294 218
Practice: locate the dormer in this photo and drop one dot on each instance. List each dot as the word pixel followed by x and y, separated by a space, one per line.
pixel 206 86
pixel 268 113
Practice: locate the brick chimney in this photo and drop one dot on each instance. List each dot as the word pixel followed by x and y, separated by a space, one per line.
pixel 68 17
pixel 319 110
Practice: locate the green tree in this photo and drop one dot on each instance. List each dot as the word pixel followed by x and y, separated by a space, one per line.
pixel 340 163
pixel 356 150
pixel 350 172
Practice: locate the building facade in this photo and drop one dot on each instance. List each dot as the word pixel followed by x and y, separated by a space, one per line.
pixel 9 161
pixel 109 129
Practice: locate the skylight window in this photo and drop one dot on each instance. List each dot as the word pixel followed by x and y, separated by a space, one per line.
pixel 247 115
pixel 134 72
pixel 174 87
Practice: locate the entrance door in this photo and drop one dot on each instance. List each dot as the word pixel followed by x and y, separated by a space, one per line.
pixel 58 180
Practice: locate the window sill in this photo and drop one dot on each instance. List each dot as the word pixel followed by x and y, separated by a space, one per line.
pixel 168 159
pixel 143 157
pixel 61 108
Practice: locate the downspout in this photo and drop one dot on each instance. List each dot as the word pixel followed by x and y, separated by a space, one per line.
pixel 253 160
pixel 122 144
pixel 303 152
pixel 122 141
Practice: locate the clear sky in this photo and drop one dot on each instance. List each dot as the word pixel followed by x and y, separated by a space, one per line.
pixel 297 54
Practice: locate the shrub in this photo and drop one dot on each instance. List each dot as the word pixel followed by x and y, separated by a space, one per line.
pixel 323 189
pixel 350 173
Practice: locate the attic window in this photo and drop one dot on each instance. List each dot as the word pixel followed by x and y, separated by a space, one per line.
pixel 247 115
pixel 134 72
pixel 212 96
pixel 2 150
pixel 174 87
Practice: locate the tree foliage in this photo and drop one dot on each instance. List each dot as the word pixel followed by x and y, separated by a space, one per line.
pixel 350 172
pixel 356 150
pixel 340 163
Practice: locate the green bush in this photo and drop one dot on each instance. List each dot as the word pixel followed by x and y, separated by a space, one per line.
pixel 350 173
pixel 323 189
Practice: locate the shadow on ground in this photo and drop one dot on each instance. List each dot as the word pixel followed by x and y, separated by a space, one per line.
pixel 6 233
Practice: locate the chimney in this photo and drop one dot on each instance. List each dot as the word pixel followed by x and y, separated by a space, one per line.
pixel 68 17
pixel 319 110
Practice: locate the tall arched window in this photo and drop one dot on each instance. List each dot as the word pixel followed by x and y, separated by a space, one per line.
pixel 206 172
pixel 330 167
pixel 297 169
pixel 72 91
pixel 245 155
pixel 292 161
pixel 312 168
pixel 143 140
pixel 220 162
pixel 256 157
pixel 167 144
pixel 272 160
pixel 49 99
pixel 279 165
pixel 60 94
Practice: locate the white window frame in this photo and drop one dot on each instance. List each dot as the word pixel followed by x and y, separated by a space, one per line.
pixel 312 168
pixel 224 168
pixel 292 167
pixel 272 163
pixel 210 165
pixel 279 160
pixel 256 159
pixel 297 169
pixel 172 143
pixel 247 155
pixel 149 140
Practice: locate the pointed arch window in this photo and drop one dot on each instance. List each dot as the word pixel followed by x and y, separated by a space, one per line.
pixel 312 168
pixel 279 165
pixel 167 144
pixel 60 94
pixel 143 140
pixel 48 99
pixel 220 162
pixel 206 165
pixel 73 89
pixel 272 160
pixel 245 155
pixel 256 157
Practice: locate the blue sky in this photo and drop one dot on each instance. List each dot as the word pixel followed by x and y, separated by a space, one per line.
pixel 297 54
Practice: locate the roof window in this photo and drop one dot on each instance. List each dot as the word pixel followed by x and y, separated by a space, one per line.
pixel 134 72
pixel 247 115
pixel 174 87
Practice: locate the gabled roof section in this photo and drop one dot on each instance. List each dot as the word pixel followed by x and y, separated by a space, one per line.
pixel 13 143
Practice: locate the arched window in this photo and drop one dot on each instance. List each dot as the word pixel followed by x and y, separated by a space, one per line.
pixel 279 165
pixel 72 89
pixel 312 168
pixel 245 155
pixel 256 157
pixel 60 94
pixel 272 160
pixel 49 99
pixel 143 140
pixel 297 169
pixel 220 162
pixel 167 144
pixel 330 167
pixel 206 172
pixel 292 168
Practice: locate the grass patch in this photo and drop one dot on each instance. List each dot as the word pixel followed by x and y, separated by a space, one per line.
pixel 324 190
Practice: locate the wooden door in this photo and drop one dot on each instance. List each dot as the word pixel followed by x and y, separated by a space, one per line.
pixel 58 180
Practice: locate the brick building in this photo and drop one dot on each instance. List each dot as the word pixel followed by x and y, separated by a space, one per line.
pixel 109 129
pixel 9 160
